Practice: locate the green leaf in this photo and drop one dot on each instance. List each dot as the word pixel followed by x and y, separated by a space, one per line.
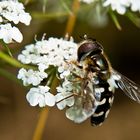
pixel 14 62
pixel 134 18
pixel 6 47
pixel 115 19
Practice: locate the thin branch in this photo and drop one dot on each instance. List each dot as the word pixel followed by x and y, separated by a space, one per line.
pixel 115 20
pixel 41 124
pixel 134 18
pixel 44 112
pixel 13 62
pixel 66 6
pixel 48 15
pixel 7 48
pixel 72 17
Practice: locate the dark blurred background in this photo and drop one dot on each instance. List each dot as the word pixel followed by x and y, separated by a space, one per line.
pixel 18 119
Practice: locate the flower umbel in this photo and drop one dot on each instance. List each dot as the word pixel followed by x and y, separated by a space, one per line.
pixel 121 6
pixel 12 11
pixel 9 33
pixel 87 1
pixel 78 90
pixel 51 58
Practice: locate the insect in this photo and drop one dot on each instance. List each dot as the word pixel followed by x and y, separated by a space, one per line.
pixel 98 84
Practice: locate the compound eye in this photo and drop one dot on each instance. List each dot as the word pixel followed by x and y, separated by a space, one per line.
pixel 87 48
pixel 84 49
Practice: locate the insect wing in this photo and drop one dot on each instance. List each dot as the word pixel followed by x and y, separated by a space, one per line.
pixel 130 88
pixel 83 107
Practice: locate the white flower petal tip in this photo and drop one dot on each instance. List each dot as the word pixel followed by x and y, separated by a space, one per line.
pixel 40 96
pixel 12 10
pixel 50 99
pixel 16 35
pixel 9 33
pixel 47 55
pixel 51 52
pixel 87 1
pixel 31 77
pixel 121 6
pixel 64 96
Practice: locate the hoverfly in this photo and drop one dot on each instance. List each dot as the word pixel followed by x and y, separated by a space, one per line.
pixel 98 84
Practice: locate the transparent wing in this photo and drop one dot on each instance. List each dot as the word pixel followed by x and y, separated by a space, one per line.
pixel 83 107
pixel 130 88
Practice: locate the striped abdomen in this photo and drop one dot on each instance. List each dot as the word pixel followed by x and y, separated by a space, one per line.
pixel 103 102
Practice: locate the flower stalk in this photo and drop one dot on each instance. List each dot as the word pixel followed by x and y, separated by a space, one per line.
pixel 41 124
pixel 72 18
pixel 45 112
pixel 13 62
pixel 53 81
pixel 115 20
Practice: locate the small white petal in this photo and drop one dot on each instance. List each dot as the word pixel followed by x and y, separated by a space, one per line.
pixel 70 101
pixel 16 35
pixel 40 96
pixel 25 18
pixel 31 76
pixel 60 69
pixel 7 33
pixel 49 99
pixel 1 20
pixel 34 98
pixel 87 1
pixel 61 105
pixel 119 5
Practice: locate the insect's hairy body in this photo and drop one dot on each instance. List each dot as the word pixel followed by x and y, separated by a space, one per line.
pixel 94 82
pixel 100 66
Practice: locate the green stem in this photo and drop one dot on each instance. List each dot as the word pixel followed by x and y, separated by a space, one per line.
pixel 115 20
pixel 6 47
pixel 134 18
pixel 13 62
pixel 9 76
pixel 51 77
pixel 66 7
pixel 67 12
pixel 49 15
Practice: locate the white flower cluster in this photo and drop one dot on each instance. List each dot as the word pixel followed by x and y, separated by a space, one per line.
pixel 121 6
pixel 31 77
pixel 65 95
pixel 46 55
pixel 87 1
pixel 40 96
pixel 12 11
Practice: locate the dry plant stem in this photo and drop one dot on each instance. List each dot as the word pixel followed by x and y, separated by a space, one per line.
pixel 72 17
pixel 41 124
pixel 44 115
pixel 44 112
